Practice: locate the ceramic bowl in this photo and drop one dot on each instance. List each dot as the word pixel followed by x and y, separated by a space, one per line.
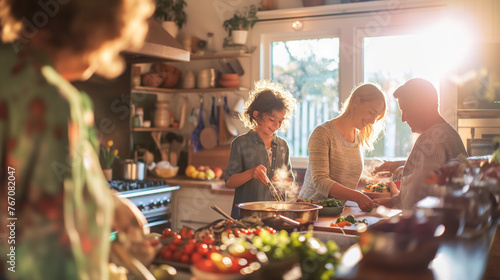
pixel 229 83
pixel 230 76
pixel 331 211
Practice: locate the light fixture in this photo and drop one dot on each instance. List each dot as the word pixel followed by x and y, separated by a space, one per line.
pixel 297 25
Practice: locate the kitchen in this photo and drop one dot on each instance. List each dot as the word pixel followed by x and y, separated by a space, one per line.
pixel 190 203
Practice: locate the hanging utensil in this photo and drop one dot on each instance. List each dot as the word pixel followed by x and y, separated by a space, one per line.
pixel 195 135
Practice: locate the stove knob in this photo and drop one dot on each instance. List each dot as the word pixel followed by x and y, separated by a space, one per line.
pixel 165 201
pixel 151 204
pixel 141 206
pixel 157 203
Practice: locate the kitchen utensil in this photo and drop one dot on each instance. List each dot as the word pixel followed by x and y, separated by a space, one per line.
pixel 235 64
pixel 275 192
pixel 195 135
pixel 183 113
pixel 220 211
pixel 208 138
pixel 223 133
pixel 304 213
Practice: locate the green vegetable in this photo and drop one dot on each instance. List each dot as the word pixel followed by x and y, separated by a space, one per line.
pixel 350 219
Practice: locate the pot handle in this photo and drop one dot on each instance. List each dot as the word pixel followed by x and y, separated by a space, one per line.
pixel 288 220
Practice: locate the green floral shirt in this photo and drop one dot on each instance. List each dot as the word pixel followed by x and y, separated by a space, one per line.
pixel 48 156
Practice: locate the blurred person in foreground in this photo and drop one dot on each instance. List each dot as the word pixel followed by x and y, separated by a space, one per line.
pixel 437 144
pixel 335 157
pixel 48 147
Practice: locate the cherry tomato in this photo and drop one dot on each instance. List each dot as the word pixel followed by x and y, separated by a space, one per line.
pixel 185 258
pixel 172 247
pixel 166 254
pixel 237 232
pixel 205 265
pixel 208 239
pixel 202 249
pixel 177 239
pixel 229 231
pixel 189 248
pixel 177 256
pixel 195 257
pixel 187 232
pixel 167 232
pixel 229 222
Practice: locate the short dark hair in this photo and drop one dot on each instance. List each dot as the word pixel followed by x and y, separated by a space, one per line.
pixel 418 87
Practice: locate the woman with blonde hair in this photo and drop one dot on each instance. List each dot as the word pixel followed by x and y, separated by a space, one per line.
pixel 335 158
pixel 61 206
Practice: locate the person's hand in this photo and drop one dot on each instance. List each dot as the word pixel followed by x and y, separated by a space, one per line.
pixel 259 173
pixel 393 189
pixel 389 166
pixel 129 220
pixel 386 201
pixel 364 202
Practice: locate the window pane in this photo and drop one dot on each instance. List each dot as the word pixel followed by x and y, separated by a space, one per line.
pixel 390 61
pixel 309 69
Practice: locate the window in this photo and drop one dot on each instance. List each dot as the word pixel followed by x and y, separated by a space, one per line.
pixel 309 69
pixel 321 63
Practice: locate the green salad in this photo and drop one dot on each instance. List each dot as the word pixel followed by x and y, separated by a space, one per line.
pixel 327 202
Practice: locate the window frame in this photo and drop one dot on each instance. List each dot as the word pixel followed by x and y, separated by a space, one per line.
pixel 349 29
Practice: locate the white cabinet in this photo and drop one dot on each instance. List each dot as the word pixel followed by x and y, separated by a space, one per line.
pixel 192 206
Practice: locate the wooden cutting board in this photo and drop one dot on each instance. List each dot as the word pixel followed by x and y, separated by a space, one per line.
pixel 324 222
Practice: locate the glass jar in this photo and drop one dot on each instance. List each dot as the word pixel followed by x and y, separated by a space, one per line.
pixel 162 115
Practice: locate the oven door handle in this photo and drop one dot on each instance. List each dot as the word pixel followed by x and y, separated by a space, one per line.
pixel 157 223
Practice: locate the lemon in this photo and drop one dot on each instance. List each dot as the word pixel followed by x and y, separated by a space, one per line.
pixel 194 174
pixel 190 170
pixel 201 175
pixel 210 174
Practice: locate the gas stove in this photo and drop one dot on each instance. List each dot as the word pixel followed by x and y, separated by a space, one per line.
pixel 152 197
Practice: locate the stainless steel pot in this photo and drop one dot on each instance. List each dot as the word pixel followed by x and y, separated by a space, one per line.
pixel 270 211
pixel 133 170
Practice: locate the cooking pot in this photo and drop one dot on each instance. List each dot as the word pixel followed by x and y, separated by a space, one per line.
pixel 270 211
pixel 133 170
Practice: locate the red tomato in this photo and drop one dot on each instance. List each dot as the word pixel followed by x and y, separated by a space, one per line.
pixel 166 254
pixel 187 232
pixel 205 265
pixel 167 232
pixel 202 249
pixel 172 247
pixel 177 256
pixel 208 239
pixel 237 232
pixel 177 239
pixel 195 257
pixel 189 248
pixel 229 222
pixel 229 231
pixel 185 258
pixel 271 230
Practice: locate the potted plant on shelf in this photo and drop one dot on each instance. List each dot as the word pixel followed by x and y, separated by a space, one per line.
pixel 108 156
pixel 171 14
pixel 238 25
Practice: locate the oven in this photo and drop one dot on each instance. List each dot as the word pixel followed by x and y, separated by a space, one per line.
pixel 152 197
pixel 477 135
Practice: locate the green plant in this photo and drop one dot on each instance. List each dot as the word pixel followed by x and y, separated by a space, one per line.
pixel 242 20
pixel 171 10
pixel 108 155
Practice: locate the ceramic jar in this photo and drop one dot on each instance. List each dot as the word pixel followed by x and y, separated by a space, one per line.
pixel 162 115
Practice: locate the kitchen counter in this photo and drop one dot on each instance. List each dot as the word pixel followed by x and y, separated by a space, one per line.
pixel 183 181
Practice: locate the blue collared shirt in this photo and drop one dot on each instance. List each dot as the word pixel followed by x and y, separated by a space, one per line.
pixel 248 151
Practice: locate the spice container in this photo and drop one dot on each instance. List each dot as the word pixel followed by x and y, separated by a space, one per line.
pixel 162 115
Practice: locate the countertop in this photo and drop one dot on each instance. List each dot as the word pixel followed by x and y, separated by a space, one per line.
pixel 186 182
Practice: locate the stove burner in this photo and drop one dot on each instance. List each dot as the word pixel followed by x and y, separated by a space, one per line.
pixel 131 185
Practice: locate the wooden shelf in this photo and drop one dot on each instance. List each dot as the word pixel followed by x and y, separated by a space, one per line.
pixel 220 55
pixel 155 90
pixel 151 129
